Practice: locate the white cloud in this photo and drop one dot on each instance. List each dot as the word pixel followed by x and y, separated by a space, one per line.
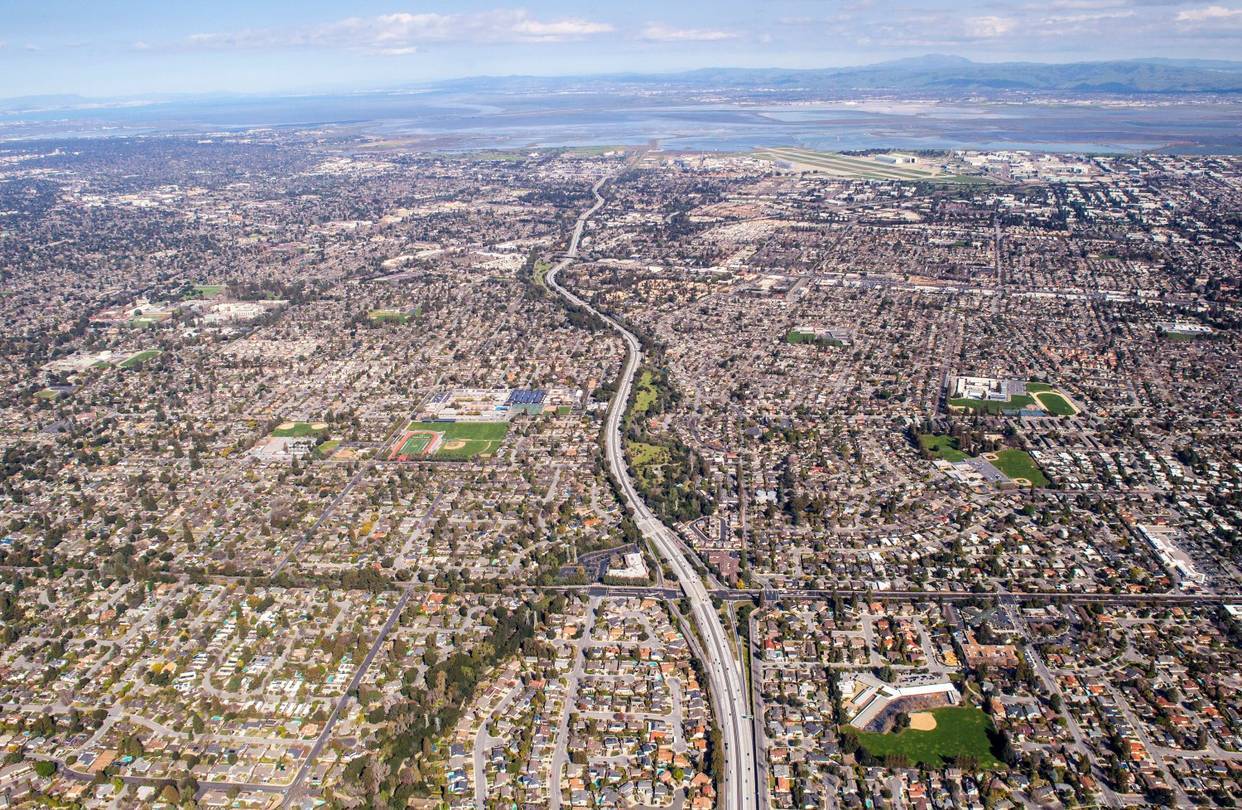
pixel 988 27
pixel 1078 5
pixel 402 33
pixel 656 32
pixel 1208 14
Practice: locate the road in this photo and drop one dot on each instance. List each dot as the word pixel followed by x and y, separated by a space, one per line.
pixel 723 670
pixel 295 787
pixel 1050 684
pixel 822 594
pixel 560 754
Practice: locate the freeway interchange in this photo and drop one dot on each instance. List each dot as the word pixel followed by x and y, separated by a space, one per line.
pixel 723 670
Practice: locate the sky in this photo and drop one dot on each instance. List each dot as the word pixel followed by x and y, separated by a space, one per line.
pixel 111 48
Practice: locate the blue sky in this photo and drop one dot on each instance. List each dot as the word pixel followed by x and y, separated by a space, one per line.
pixel 123 47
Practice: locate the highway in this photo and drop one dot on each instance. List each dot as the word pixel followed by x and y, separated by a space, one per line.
pixel 724 672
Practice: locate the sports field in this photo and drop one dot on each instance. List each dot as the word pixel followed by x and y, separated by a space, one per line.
pixel 449 441
pixel 206 290
pixel 961 736
pixel 1052 400
pixel 1019 466
pixel 794 336
pixel 388 316
pixel 1015 403
pixel 136 360
pixel 293 430
pixel 1056 404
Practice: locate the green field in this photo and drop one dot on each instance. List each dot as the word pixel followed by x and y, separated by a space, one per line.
pixel 388 316
pixel 990 406
pixel 647 461
pixel 794 336
pixel 328 448
pixel 945 447
pixel 477 438
pixel 643 455
pixel 1019 464
pixel 415 445
pixel 206 290
pixel 540 271
pixel 1055 403
pixel 47 393
pixel 297 430
pixel 961 731
pixel 644 392
pixel 136 360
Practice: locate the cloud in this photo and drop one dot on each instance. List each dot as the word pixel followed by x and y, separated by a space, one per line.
pixel 402 33
pixel 656 32
pixel 1209 14
pixel 988 27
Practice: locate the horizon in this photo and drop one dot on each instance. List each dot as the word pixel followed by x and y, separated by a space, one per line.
pixel 144 48
pixel 327 90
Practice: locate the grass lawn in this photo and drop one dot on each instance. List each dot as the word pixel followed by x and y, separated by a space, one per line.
pixel 647 461
pixel 328 448
pixel 794 336
pixel 473 438
pixel 47 393
pixel 298 429
pixel 643 455
pixel 945 447
pixel 1055 404
pixel 990 406
pixel 388 316
pixel 136 360
pixel 206 290
pixel 644 393
pixel 1019 464
pixel 541 271
pixel 960 731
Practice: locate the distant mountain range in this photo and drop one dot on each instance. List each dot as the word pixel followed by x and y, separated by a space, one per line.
pixel 937 73
pixel 933 75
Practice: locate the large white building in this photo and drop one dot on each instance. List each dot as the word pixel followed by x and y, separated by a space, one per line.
pixel 985 388
pixel 1175 561
pixel 866 696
